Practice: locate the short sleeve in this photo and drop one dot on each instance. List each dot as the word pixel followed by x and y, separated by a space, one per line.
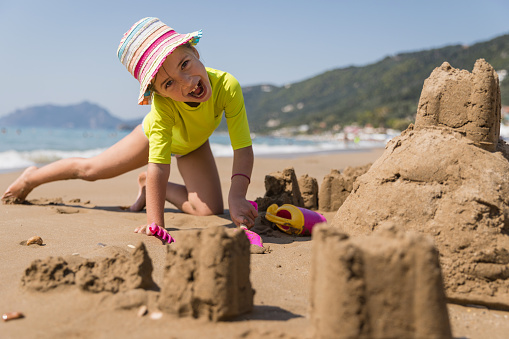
pixel 158 129
pixel 236 116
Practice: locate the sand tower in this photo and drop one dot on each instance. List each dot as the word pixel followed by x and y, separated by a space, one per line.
pixel 466 102
pixel 386 285
pixel 207 275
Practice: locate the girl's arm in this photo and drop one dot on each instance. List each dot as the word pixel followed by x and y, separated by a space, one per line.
pixel 241 211
pixel 157 179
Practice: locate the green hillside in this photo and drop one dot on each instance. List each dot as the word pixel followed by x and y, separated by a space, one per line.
pixel 385 93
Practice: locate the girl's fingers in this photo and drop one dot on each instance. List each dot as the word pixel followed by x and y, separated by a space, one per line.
pixel 249 222
pixel 142 229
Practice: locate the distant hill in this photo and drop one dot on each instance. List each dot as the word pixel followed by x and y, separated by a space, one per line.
pixel 83 115
pixel 385 93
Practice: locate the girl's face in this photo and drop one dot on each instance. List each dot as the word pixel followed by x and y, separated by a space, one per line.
pixel 182 77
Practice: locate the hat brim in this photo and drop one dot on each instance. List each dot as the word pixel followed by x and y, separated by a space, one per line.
pixel 155 59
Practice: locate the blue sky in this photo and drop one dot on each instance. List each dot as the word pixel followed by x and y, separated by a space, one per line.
pixel 64 52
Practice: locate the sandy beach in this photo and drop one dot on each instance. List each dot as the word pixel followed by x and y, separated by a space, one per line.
pixel 85 220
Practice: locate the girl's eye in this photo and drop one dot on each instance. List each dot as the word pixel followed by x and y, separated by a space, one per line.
pixel 184 64
pixel 168 84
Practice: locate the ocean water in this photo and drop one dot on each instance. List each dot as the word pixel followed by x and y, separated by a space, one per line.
pixel 23 147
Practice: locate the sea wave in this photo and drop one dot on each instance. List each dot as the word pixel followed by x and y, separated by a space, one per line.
pixel 12 160
pixel 39 146
pixel 298 149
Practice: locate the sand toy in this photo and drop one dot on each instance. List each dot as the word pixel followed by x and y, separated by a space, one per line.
pixel 254 238
pixel 160 232
pixel 294 220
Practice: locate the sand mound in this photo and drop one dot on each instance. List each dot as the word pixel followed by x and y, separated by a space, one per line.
pixel 444 180
pixel 112 274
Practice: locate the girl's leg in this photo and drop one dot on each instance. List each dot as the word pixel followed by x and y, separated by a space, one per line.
pixel 201 194
pixel 129 153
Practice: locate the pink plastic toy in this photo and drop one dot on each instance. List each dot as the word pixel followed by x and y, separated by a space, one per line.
pixel 254 238
pixel 160 233
pixel 255 205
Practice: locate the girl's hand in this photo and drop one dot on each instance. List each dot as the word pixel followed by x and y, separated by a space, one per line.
pixel 242 212
pixel 155 230
pixel 143 229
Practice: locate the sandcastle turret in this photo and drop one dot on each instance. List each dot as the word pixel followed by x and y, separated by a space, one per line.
pixel 466 102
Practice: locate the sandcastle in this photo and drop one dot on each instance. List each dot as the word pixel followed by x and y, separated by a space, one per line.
pixel 283 187
pixel 206 276
pixel 447 176
pixel 386 285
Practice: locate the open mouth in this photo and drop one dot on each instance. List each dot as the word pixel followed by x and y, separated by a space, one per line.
pixel 198 91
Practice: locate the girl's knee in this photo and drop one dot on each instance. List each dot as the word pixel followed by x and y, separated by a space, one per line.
pixel 87 171
pixel 216 211
pixel 203 209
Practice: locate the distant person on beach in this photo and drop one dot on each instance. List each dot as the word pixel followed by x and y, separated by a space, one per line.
pixel 187 103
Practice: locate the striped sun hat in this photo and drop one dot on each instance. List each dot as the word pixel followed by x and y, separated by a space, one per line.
pixel 144 48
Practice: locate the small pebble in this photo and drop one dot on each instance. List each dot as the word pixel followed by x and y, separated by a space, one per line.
pixel 142 311
pixel 156 315
pixel 34 240
pixel 75 254
pixel 101 244
pixel 12 316
pixel 132 246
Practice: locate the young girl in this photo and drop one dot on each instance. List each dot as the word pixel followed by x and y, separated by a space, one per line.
pixel 187 102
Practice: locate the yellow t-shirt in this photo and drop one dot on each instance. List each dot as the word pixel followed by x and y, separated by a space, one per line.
pixel 174 127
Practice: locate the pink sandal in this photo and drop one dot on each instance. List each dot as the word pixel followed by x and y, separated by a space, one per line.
pixel 160 232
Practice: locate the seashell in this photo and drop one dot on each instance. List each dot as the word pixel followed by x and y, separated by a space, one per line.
pixel 156 315
pixel 12 316
pixel 142 311
pixel 34 240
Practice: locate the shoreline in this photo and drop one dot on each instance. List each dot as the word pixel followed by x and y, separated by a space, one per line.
pixel 289 155
pixel 41 146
